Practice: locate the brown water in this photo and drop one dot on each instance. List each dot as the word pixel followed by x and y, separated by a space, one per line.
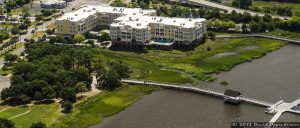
pixel 270 78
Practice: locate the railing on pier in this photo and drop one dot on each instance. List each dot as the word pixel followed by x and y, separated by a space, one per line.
pixel 197 90
pixel 256 101
pixel 290 40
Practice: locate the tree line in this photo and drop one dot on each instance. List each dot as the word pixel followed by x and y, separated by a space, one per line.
pixel 222 21
pixel 5 123
pixel 53 71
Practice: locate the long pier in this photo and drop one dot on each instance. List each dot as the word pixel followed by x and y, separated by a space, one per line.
pixel 272 108
pixel 209 92
pixel 290 40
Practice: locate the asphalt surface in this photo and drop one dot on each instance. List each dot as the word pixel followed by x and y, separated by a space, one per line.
pixel 230 9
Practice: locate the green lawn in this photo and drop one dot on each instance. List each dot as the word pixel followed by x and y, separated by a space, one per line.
pixel 15 12
pixel 13 111
pixel 210 57
pixel 46 113
pixel 143 68
pixel 4 73
pixel 92 110
pixel 294 6
pixel 283 33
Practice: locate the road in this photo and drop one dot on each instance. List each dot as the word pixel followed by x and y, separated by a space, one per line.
pixel 229 9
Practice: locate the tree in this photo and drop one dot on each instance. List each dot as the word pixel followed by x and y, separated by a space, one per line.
pixel 47 12
pixel 78 38
pixel 24 69
pixel 121 69
pixel 91 42
pixel 3 35
pixel 48 92
pixel 38 125
pixel 105 37
pixel 67 106
pixel 15 30
pixel 68 94
pixel 59 38
pixel 244 28
pixel 294 24
pixel 267 18
pixel 255 27
pixel 81 87
pixel 10 58
pixel 211 35
pixel 2 10
pixel 109 80
pixel 245 4
pixel 5 123
pixel 246 17
pixel 4 68
pixel 49 31
pixel 25 11
pixel 38 17
pixel 10 5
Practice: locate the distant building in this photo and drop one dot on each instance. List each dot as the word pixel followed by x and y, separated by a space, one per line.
pixel 232 96
pixel 133 26
pixel 53 4
pixel 2 2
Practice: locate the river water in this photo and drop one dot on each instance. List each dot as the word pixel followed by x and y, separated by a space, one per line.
pixel 273 77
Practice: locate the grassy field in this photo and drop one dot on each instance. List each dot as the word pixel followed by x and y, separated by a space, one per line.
pixel 294 6
pixel 143 68
pixel 51 26
pixel 15 12
pixel 210 57
pixel 37 34
pixel 283 33
pixel 93 110
pixel 46 113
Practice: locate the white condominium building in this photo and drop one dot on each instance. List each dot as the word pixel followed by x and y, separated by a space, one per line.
pixel 133 25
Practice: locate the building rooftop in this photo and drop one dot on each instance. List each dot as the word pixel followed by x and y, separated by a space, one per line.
pixel 232 93
pixel 144 21
pixel 134 17
pixel 49 2
pixel 88 10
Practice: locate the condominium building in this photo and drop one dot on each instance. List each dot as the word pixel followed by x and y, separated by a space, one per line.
pixel 89 16
pixel 133 26
pixel 157 30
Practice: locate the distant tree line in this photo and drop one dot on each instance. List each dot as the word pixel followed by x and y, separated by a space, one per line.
pixel 11 4
pixel 289 1
pixel 280 10
pixel 221 21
